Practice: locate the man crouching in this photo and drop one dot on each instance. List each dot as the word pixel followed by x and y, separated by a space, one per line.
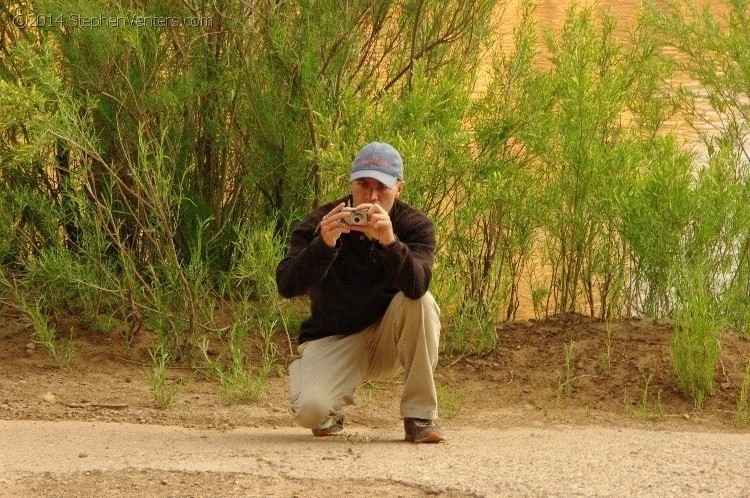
pixel 365 261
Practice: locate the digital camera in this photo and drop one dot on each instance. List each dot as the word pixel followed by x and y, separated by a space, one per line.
pixel 356 216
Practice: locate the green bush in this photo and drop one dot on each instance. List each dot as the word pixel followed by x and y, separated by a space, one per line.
pixel 711 49
pixel 696 341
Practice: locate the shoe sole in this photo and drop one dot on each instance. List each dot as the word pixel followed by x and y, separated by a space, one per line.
pixel 326 432
pixel 427 437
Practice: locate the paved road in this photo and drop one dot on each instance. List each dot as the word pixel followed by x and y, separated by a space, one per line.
pixel 476 462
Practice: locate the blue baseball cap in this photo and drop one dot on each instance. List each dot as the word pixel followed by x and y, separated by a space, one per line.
pixel 380 161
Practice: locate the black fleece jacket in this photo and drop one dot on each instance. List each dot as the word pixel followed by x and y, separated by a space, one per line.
pixel 351 285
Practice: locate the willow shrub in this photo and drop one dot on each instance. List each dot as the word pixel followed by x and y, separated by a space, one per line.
pixel 588 158
pixel 655 212
pixel 557 162
pixel 712 287
pixel 492 229
pixel 712 50
pixel 160 146
pixel 695 344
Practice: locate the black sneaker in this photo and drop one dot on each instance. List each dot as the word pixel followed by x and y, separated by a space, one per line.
pixel 337 427
pixel 422 431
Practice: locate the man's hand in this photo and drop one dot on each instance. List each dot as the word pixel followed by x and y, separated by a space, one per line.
pixel 332 226
pixel 379 226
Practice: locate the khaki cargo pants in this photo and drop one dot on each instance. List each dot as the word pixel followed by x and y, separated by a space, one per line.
pixel 405 341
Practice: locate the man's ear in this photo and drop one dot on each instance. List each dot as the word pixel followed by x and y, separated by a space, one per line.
pixel 399 187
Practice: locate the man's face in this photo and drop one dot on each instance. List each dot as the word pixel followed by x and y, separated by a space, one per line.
pixel 369 190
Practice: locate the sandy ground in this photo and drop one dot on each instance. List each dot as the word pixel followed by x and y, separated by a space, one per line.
pixel 52 458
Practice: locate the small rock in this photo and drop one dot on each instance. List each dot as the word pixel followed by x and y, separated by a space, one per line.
pixel 82 455
pixel 686 416
pixel 31 346
pixel 50 398
pixel 164 482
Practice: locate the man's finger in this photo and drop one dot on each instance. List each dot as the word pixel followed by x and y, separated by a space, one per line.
pixel 334 211
pixel 333 218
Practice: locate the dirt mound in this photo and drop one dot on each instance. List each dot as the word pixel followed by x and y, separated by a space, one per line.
pixel 551 371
